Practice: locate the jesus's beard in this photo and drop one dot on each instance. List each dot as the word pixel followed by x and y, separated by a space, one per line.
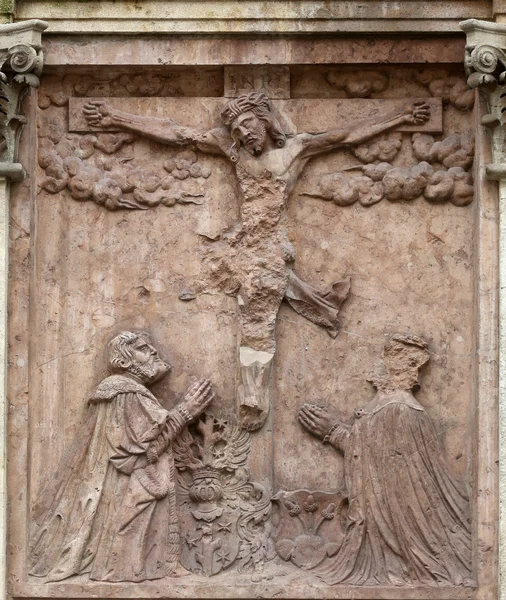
pixel 150 372
pixel 255 142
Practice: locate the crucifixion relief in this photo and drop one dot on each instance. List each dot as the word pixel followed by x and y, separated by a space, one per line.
pixel 237 490
pixel 268 162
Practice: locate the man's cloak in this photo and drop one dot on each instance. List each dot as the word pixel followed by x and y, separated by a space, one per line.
pixel 107 512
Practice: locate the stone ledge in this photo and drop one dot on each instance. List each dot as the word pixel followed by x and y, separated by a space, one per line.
pixel 254 9
pixel 136 51
pixel 253 16
pixel 24 32
pixel 12 171
pixel 251 26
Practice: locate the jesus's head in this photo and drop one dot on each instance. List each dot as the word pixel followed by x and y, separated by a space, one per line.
pixel 133 353
pixel 250 120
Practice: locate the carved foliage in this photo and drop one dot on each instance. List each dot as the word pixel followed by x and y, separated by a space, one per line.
pixel 224 516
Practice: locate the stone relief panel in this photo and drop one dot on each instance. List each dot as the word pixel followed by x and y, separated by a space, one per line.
pixel 273 81
pixel 311 526
pixel 346 82
pixel 442 173
pixel 226 522
pixel 205 81
pixel 113 182
pixel 271 246
pixel 251 129
pixel 450 87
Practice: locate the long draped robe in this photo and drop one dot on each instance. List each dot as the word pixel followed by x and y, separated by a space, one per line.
pixel 107 512
pixel 408 519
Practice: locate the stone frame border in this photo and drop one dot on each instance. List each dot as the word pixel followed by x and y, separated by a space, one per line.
pixel 490 166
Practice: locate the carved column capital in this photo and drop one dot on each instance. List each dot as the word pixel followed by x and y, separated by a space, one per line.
pixel 485 59
pixel 21 63
pixel 485 64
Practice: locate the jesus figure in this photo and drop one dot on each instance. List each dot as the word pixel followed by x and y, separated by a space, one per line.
pixel 267 163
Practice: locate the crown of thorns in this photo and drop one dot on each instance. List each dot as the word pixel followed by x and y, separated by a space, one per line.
pixel 252 101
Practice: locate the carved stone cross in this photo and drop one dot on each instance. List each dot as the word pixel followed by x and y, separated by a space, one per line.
pixel 268 155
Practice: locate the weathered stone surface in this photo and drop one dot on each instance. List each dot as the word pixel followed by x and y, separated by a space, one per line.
pixel 157 51
pixel 194 216
pixel 274 81
pixel 485 67
pixel 113 503
pixel 21 62
pixel 303 16
pixel 409 519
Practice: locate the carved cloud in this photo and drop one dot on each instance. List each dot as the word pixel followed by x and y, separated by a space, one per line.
pixel 453 151
pixel 383 148
pixel 451 88
pixel 441 175
pixel 114 182
pixel 358 84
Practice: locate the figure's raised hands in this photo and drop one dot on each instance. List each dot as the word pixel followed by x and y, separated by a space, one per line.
pixel 98 114
pixel 417 113
pixel 317 419
pixel 198 397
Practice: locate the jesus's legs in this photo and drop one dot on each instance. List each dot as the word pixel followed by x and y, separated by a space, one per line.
pixel 264 279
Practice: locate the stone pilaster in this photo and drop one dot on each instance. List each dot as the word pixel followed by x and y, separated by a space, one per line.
pixel 20 67
pixel 486 69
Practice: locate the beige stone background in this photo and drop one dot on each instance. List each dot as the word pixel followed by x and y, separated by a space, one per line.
pixel 413 265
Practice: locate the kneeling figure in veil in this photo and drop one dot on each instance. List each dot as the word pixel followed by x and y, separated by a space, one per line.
pixel 408 520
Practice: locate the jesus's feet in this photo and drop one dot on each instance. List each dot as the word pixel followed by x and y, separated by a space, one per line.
pixel 254 387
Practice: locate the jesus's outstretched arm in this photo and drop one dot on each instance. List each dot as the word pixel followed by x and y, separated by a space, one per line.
pixel 165 130
pixel 415 113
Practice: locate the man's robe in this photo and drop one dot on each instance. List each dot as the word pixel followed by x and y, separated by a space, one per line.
pixel 107 512
pixel 408 518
